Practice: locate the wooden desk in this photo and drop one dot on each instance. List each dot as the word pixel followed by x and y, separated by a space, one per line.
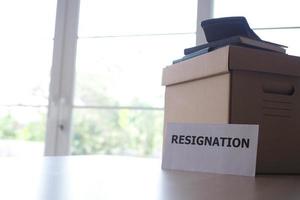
pixel 112 177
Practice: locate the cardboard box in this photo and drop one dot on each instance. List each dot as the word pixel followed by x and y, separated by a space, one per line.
pixel 241 85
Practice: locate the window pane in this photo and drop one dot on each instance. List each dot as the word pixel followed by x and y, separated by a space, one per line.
pixel 119 17
pixel 22 131
pixel 121 51
pixel 287 37
pixel 25 70
pixel 266 13
pixel 26 38
pixel 30 18
pixel 125 71
pixel 117 131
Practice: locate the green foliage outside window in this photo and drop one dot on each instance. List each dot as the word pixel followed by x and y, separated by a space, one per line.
pixel 12 129
pixel 117 131
pixel 98 131
pixel 113 130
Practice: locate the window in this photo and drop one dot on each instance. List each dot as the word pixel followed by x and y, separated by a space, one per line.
pixel 26 37
pixel 122 48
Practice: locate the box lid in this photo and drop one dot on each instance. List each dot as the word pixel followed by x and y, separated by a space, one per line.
pixel 228 58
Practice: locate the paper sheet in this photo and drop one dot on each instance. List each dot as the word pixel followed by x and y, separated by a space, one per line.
pixel 216 148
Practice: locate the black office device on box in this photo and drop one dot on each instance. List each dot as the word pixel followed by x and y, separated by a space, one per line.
pixel 221 28
pixel 220 32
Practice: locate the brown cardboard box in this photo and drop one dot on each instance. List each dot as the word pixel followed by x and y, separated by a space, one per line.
pixel 240 85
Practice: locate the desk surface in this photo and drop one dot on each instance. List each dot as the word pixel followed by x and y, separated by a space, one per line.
pixel 113 177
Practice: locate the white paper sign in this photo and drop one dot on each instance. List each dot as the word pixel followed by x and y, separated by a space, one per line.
pixel 216 148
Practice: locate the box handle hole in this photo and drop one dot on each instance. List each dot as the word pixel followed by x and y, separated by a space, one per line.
pixel 279 88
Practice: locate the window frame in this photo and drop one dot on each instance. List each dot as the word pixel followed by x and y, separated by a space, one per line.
pixel 61 92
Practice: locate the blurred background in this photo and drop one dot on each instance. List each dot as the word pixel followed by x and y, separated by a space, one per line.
pixel 122 46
